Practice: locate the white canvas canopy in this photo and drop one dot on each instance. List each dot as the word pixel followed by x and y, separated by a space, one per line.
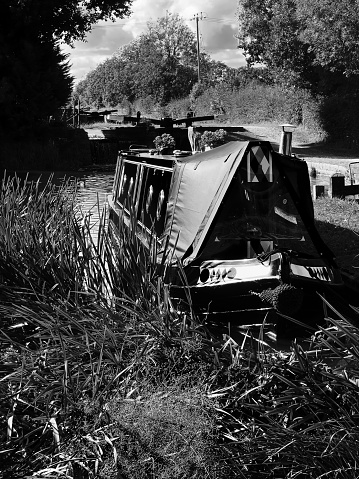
pixel 198 186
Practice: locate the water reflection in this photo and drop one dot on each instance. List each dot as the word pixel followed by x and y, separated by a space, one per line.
pixel 93 188
pixel 91 184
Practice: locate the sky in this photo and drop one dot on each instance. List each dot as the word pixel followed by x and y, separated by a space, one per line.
pixel 217 28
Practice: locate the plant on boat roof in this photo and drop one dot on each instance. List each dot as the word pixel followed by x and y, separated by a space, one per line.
pixel 213 138
pixel 164 141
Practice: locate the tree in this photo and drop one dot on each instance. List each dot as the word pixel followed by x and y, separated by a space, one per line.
pixel 36 83
pixel 173 39
pixel 216 73
pixel 34 78
pixel 309 43
pixel 332 31
pixel 34 74
pixel 159 64
pixel 63 20
pixel 270 34
pixel 167 53
pixel 104 86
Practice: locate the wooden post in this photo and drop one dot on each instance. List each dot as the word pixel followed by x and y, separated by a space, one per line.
pixel 340 189
pixel 338 186
pixel 318 190
pixel 78 113
pixel 74 115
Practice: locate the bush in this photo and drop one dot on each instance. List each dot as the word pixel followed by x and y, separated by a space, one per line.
pixel 164 141
pixel 178 108
pixel 166 433
pixel 147 106
pixel 256 103
pixel 212 138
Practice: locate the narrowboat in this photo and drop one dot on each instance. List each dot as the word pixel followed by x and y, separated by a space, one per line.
pixel 236 223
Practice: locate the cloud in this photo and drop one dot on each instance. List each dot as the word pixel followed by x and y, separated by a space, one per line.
pixel 235 59
pixel 217 28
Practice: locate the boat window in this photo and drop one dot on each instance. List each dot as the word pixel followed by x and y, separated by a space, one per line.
pixel 130 187
pixel 149 198
pixel 161 198
pixel 124 184
pixel 153 197
pixel 127 183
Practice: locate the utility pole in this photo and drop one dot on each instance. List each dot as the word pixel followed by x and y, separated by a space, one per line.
pixel 198 17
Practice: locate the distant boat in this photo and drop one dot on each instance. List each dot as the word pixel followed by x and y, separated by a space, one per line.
pixel 237 220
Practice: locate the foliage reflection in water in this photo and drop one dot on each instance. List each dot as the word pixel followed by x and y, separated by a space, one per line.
pixel 93 188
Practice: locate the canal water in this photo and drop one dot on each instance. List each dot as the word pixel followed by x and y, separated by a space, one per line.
pixel 93 190
pixel 93 187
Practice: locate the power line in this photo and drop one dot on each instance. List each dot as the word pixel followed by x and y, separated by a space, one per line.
pixel 118 24
pixel 226 21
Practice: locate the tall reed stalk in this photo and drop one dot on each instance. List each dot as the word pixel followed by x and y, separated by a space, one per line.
pixel 83 320
pixel 101 377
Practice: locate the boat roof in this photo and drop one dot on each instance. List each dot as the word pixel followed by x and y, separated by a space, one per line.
pixel 200 182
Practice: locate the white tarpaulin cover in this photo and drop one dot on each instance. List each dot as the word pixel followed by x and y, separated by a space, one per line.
pixel 197 184
pixel 270 188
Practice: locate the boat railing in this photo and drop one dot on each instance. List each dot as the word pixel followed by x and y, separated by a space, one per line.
pixel 139 148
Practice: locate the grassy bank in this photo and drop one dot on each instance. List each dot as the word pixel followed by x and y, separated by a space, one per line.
pixel 99 377
pixel 337 221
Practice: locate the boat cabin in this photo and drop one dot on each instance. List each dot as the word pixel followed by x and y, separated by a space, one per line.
pixel 237 219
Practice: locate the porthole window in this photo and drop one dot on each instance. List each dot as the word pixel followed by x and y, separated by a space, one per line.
pixel 149 198
pixel 161 198
pixel 123 186
pixel 130 187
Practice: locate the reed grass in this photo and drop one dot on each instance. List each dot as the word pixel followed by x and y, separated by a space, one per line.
pixel 101 377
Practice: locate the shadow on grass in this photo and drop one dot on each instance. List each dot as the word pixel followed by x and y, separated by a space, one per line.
pixel 326 150
pixel 344 243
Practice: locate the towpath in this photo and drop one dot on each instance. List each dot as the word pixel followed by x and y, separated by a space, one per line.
pixel 325 158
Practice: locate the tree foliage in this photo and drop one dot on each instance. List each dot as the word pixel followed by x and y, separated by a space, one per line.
pixel 310 43
pixel 173 39
pixel 65 20
pixel 34 74
pixel 34 83
pixel 157 67
pixel 332 33
pixel 161 64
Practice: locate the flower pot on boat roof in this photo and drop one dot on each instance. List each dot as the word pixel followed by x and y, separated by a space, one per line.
pixel 164 144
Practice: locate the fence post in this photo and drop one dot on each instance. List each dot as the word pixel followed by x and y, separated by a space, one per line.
pixel 338 185
pixel 78 113
pixel 285 145
pixel 74 115
pixel 318 190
